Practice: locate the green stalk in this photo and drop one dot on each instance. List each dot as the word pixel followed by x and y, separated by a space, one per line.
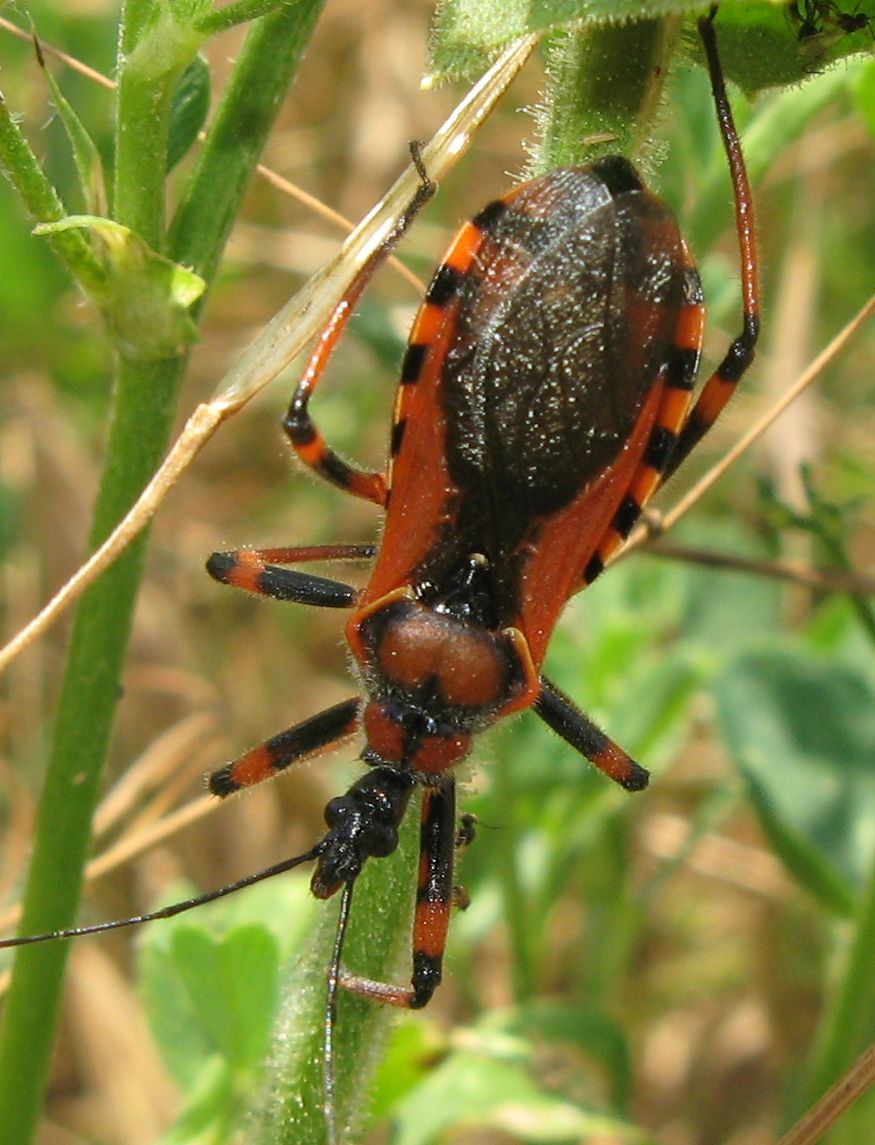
pixel 141 419
pixel 20 166
pixel 290 1108
pixel 265 66
pixel 144 402
pixel 523 937
pixel 847 1026
pixel 606 87
pixel 72 783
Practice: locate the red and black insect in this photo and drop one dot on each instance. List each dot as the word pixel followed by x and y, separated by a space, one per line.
pixel 544 397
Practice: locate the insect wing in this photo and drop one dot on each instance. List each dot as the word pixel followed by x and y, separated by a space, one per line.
pixel 530 387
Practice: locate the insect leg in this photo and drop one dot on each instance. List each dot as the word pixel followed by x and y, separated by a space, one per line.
pixel 565 718
pixel 434 897
pixel 679 428
pixel 721 385
pixel 255 570
pixel 311 737
pixel 308 442
pixel 678 380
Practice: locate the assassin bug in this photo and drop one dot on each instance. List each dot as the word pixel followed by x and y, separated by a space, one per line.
pixel 544 397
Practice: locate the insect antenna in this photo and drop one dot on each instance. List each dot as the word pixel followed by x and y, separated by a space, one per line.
pixel 166 911
pixel 330 1021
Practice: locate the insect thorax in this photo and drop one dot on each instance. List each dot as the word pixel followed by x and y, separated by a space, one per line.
pixel 433 679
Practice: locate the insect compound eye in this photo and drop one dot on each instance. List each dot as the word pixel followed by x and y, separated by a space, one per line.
pixel 380 839
pixel 338 809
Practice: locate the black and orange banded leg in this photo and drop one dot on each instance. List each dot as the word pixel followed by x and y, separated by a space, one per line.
pixel 563 716
pixel 678 429
pixel 434 898
pixel 258 571
pixel 311 737
pixel 307 440
pixel 677 379
pixel 721 385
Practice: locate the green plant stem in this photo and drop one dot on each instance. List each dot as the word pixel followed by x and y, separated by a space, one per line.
pixel 606 87
pixel 267 61
pixel 516 912
pixel 142 415
pixel 20 166
pixel 290 1110
pixel 154 56
pixel 144 402
pixel 89 694
pixel 847 1026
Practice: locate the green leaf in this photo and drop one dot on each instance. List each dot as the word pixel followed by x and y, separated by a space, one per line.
pixel 588 1030
pixel 188 113
pixel 233 988
pixel 85 153
pixel 414 1045
pixel 205 1114
pixel 227 988
pixel 150 296
pixel 210 981
pixel 802 733
pixel 211 21
pixel 490 1087
pixel 761 46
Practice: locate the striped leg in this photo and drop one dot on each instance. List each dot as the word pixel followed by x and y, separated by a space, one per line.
pixel 257 571
pixel 318 734
pixel 677 381
pixel 559 713
pixel 434 897
pixel 308 442
pixel 677 429
pixel 721 385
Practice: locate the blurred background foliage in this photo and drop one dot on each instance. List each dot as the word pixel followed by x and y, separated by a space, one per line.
pixel 686 966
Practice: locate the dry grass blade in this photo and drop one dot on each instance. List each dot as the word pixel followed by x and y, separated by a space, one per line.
pixel 71 62
pixel 287 334
pixel 819 579
pixel 130 847
pixel 837 1099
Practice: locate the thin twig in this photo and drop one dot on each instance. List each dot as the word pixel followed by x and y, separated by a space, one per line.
pixel 72 63
pixel 837 1099
pixel 283 185
pixel 820 579
pixel 288 333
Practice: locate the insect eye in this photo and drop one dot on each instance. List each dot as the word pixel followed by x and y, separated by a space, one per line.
pixel 382 840
pixel 337 809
